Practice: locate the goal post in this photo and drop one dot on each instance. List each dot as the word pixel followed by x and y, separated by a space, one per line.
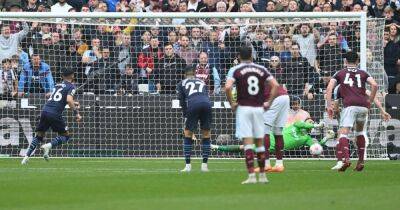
pixel 126 77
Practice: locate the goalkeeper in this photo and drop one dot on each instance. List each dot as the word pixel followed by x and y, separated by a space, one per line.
pixel 294 136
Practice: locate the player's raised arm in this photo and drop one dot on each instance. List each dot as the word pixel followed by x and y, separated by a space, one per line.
pixel 374 88
pixel 329 90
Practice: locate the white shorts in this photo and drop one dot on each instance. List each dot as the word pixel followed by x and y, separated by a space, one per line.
pixel 249 122
pixel 353 114
pixel 278 112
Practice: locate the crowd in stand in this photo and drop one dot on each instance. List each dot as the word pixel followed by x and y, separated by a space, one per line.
pixel 117 59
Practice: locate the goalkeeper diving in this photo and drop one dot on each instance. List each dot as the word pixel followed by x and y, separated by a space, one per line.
pixel 295 136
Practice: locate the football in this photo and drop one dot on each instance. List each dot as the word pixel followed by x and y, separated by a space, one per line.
pixel 316 149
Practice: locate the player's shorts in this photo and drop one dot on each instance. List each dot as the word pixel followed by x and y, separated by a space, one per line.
pixel 48 120
pixel 278 113
pixel 200 112
pixel 249 122
pixel 353 114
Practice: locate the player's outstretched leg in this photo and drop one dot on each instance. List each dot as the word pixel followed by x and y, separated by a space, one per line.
pixel 31 148
pixel 249 158
pixel 344 141
pixel 55 142
pixel 206 152
pixel 339 157
pixel 267 143
pixel 187 150
pixel 360 141
pixel 279 145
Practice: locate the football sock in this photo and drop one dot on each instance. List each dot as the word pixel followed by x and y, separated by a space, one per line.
pixel 260 151
pixel 279 147
pixel 187 148
pixel 33 145
pixel 249 157
pixel 267 144
pixel 344 142
pixel 339 154
pixel 206 146
pixel 360 147
pixel 59 140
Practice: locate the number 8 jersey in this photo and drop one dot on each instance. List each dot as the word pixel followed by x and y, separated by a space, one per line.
pixel 352 83
pixel 250 79
pixel 58 99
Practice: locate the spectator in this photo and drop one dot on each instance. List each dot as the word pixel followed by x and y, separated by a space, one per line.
pixel 275 67
pixel 266 51
pixel 173 39
pixel 16 65
pixel 92 55
pixel 285 51
pixel 216 53
pixel 108 74
pixel 8 82
pixel 171 6
pixel 125 53
pixel 61 7
pixel 78 42
pixel 397 87
pixel 307 5
pixel 32 6
pixel 270 6
pixel 221 6
pixel 293 7
pixel 332 28
pixel 391 53
pixel 171 71
pixel 205 72
pixel 185 52
pixel 330 57
pixel 129 82
pixel 376 10
pixel 195 5
pixel 9 43
pixel 36 78
pixel 307 41
pixel 390 16
pixel 296 72
pixel 196 41
pixel 148 62
pixel 209 6
pixel 233 6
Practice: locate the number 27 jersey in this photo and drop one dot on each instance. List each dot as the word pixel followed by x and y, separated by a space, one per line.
pixel 352 83
pixel 250 79
pixel 58 99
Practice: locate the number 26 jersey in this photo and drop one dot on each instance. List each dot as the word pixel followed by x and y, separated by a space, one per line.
pixel 58 99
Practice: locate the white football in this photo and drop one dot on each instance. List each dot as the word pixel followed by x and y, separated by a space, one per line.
pixel 316 149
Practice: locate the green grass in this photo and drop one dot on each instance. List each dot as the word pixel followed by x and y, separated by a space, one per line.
pixel 115 184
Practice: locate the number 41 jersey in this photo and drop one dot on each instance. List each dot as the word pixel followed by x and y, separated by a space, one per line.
pixel 250 79
pixel 352 83
pixel 58 99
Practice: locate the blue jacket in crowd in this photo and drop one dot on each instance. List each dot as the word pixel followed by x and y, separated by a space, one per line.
pixel 45 78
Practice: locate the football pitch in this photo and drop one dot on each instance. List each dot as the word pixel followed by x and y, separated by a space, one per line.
pixel 115 184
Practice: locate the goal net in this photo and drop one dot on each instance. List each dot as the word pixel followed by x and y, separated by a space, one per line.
pixel 127 67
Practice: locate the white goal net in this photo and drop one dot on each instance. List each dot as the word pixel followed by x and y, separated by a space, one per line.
pixel 127 67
